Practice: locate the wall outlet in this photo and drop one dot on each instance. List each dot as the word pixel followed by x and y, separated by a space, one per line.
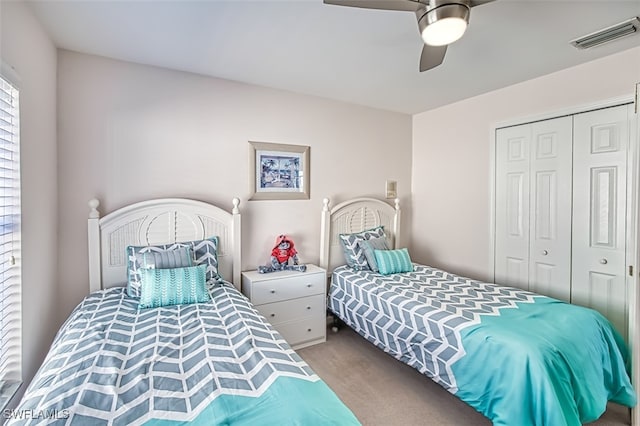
pixel 390 189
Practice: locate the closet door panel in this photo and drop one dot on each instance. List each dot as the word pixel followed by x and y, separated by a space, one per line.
pixel 512 206
pixel 599 223
pixel 550 210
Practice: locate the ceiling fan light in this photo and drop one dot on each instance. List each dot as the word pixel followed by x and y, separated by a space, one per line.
pixel 445 24
pixel 444 31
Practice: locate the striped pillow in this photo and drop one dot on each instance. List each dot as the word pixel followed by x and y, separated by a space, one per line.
pixel 177 258
pixel 175 286
pixel 368 246
pixel 393 261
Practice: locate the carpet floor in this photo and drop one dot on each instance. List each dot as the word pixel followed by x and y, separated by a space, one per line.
pixel 383 391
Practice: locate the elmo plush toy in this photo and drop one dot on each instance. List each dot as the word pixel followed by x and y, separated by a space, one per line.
pixel 280 255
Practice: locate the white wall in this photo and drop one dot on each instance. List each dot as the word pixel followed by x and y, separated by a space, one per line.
pixel 25 47
pixel 130 132
pixel 451 156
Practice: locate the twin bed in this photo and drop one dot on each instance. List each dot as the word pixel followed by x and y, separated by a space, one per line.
pixel 517 357
pixel 217 362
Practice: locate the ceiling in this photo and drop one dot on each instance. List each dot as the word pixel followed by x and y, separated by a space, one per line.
pixel 367 57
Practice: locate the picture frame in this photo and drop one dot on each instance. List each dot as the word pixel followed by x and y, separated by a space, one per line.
pixel 278 171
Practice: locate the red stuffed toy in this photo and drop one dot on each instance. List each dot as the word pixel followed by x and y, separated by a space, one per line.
pixel 283 251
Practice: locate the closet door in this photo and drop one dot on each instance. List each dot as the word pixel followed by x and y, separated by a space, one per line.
pixel 550 208
pixel 601 140
pixel 512 206
pixel 533 207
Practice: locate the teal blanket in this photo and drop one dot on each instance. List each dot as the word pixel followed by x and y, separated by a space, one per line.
pixel 288 401
pixel 543 363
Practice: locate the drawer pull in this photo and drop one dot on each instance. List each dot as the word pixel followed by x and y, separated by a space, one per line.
pixel 273 315
pixel 273 291
pixel 308 329
pixel 308 285
pixel 308 307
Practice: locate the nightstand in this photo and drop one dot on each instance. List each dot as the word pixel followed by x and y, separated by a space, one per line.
pixel 293 302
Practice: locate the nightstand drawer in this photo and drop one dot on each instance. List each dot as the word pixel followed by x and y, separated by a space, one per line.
pixel 288 310
pixel 287 288
pixel 298 332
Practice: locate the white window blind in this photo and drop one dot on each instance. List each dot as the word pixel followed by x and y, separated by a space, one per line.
pixel 10 275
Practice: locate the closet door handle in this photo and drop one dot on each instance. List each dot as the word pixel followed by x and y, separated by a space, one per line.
pixel 544 252
pixel 604 261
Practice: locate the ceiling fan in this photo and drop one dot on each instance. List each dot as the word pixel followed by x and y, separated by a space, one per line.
pixel 441 22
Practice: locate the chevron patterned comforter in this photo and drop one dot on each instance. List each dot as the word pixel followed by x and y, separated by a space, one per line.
pixel 217 363
pixel 517 357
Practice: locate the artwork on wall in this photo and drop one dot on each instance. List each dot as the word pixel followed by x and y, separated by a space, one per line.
pixel 278 171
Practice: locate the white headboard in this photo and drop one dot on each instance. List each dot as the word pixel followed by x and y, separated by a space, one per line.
pixel 355 216
pixel 161 221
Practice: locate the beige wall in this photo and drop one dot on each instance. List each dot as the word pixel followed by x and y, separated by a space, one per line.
pixel 27 49
pixel 130 132
pixel 451 156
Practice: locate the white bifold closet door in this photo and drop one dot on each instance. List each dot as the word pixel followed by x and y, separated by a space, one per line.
pixel 601 142
pixel 533 207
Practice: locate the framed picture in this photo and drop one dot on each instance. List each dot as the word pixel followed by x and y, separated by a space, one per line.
pixel 278 171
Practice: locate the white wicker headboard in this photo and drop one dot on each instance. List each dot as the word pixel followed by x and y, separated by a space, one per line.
pixel 161 221
pixel 354 216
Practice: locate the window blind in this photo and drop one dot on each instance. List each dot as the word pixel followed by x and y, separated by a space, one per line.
pixel 10 274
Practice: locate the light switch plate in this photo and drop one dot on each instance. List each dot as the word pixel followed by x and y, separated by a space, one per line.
pixel 391 189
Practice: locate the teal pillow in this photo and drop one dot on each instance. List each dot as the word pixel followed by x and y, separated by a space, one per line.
pixel 393 261
pixel 175 286
pixel 368 246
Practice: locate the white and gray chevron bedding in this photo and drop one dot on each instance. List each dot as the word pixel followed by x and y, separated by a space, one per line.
pixel 427 305
pixel 206 363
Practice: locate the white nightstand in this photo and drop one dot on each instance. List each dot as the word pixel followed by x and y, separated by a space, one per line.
pixel 293 302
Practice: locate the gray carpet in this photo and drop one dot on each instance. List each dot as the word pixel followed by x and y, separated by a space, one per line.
pixel 382 391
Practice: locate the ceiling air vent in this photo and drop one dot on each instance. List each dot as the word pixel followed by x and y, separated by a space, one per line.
pixel 605 35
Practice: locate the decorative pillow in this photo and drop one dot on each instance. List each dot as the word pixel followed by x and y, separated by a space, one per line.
pixel 368 246
pixel 393 261
pixel 353 253
pixel 178 258
pixel 204 251
pixel 175 286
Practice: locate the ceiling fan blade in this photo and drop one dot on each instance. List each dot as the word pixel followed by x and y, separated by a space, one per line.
pixel 431 57
pixel 404 5
pixel 479 2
